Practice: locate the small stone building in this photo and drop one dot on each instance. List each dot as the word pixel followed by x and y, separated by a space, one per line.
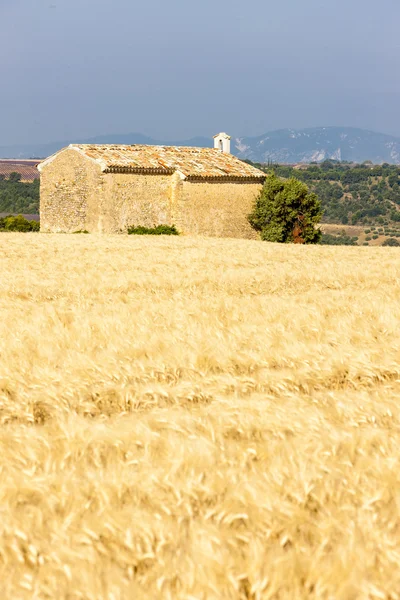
pixel 107 188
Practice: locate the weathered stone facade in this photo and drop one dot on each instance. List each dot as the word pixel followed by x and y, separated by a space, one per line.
pixel 77 193
pixel 68 185
pixel 217 209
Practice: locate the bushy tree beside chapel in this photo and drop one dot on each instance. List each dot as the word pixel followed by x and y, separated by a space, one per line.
pixel 287 212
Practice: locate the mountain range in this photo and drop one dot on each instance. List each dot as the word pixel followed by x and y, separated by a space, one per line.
pixel 282 146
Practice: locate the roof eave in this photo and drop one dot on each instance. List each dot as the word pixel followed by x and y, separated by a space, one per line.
pixel 227 178
pixel 138 170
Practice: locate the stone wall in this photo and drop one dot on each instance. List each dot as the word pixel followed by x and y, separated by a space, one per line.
pixel 217 209
pixel 67 184
pixel 76 195
pixel 135 199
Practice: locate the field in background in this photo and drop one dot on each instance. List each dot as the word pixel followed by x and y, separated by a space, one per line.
pixel 375 236
pixel 28 217
pixel 198 419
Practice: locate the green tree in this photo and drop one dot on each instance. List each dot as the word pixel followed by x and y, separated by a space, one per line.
pixel 14 177
pixel 286 211
pixel 18 223
pixel 391 242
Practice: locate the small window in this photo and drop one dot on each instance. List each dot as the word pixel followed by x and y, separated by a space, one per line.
pixel 221 145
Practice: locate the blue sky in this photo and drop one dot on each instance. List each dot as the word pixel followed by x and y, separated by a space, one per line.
pixel 175 69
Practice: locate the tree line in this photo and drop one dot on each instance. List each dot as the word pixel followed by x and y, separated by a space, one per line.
pixel 17 196
pixel 363 194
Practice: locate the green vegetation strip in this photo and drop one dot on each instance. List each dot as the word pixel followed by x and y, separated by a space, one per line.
pixel 350 194
pixel 18 197
pixel 158 230
pixel 18 223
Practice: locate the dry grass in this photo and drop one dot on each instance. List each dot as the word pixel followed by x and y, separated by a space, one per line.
pixel 198 419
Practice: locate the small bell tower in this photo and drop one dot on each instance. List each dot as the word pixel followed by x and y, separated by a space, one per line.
pixel 222 142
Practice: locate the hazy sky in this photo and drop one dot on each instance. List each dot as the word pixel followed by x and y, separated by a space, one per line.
pixel 173 69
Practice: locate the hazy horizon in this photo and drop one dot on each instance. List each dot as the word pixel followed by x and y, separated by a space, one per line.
pixel 174 138
pixel 79 69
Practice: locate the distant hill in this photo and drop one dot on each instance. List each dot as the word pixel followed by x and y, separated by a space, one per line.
pixel 318 144
pixel 282 146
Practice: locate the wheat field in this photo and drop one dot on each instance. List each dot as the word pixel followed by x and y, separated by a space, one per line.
pixel 198 419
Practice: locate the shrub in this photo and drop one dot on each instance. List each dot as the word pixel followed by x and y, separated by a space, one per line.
pixel 18 223
pixel 14 177
pixel 367 231
pixel 338 240
pixel 81 231
pixel 375 236
pixel 286 212
pixel 391 242
pixel 367 238
pixel 158 230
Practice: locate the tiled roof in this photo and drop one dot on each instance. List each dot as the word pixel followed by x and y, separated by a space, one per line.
pixel 26 168
pixel 192 162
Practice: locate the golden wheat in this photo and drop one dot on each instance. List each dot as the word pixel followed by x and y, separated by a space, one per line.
pixel 198 419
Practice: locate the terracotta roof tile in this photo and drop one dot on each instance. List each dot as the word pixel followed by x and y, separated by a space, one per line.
pixel 192 162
